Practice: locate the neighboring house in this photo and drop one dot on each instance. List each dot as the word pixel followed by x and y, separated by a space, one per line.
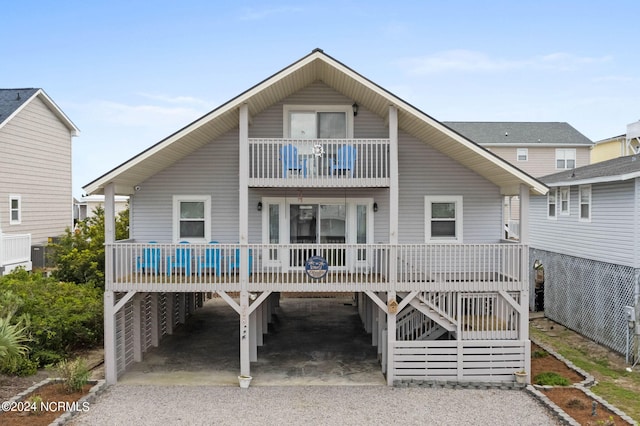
pixel 538 148
pixel 35 174
pixel 86 206
pixel 584 233
pixel 316 180
pixel 617 146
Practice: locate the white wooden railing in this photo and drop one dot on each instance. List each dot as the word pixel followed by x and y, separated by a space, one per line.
pixel 15 249
pixel 316 163
pixel 352 267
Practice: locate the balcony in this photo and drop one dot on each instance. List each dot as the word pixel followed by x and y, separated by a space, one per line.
pixel 15 251
pixel 323 163
pixel 351 267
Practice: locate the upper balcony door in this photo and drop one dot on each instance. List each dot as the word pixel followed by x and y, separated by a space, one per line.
pixel 318 122
pixel 314 222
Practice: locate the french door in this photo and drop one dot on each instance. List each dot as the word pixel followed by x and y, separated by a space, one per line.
pixel 319 227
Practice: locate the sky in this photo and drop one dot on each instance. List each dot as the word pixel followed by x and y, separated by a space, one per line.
pixel 130 73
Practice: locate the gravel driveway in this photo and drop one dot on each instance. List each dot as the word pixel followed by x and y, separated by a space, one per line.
pixel 312 405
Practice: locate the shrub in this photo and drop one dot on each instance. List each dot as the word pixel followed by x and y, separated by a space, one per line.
pixel 63 316
pixel 539 354
pixel 74 374
pixel 550 378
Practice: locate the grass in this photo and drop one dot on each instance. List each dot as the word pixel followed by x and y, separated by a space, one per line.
pixel 615 385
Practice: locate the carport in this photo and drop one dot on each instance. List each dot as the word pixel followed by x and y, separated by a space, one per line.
pixel 309 341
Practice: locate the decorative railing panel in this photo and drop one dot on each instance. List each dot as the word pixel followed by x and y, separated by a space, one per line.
pixel 319 162
pixel 15 248
pixel 351 267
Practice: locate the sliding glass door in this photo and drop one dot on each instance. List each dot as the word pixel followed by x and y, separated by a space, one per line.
pixel 313 225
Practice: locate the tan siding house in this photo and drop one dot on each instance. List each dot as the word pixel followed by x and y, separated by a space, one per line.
pixel 35 173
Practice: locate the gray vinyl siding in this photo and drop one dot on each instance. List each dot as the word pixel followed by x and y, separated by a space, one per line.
pixel 213 170
pixel 609 237
pixel 35 163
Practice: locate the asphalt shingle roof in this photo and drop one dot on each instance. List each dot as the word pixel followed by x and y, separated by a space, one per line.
pixel 610 168
pixel 12 99
pixel 526 133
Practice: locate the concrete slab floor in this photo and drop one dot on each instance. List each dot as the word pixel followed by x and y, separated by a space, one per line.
pixel 311 341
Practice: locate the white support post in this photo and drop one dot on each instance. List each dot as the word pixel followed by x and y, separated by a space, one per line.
pixel 391 337
pixel 110 368
pixel 245 363
pixel 243 208
pixel 524 262
pixel 393 177
pixel 137 328
pixel 253 333
pixel 110 213
pixel 155 321
pixel 170 313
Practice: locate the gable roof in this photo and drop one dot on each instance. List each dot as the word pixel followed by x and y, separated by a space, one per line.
pixel 530 133
pixel 617 169
pixel 12 101
pixel 317 66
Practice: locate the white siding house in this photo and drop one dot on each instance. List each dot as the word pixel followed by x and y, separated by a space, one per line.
pixel 316 180
pixel 35 174
pixel 584 233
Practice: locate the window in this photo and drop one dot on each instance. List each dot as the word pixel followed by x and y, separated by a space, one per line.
pixel 565 158
pixel 191 218
pixel 585 203
pixel 522 154
pixel 318 122
pixel 564 200
pixel 552 200
pixel 443 219
pixel 15 210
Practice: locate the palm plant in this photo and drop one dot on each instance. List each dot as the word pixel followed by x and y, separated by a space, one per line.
pixel 12 340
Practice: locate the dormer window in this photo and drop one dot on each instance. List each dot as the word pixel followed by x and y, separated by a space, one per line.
pixel 318 122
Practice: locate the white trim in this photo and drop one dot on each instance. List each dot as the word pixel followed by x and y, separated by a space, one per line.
pixel 554 192
pixel 564 190
pixel 564 158
pixel 459 213
pixel 177 199
pixel 580 203
pixel 525 153
pixel 18 198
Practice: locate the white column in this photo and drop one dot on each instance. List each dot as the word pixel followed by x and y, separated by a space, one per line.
pixel 393 178
pixel 524 214
pixel 243 210
pixel 253 334
pixel 524 261
pixel 391 338
pixel 110 213
pixel 245 363
pixel 137 328
pixel 110 368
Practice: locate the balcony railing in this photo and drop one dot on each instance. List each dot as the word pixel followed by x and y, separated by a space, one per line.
pixel 351 267
pixel 318 162
pixel 15 249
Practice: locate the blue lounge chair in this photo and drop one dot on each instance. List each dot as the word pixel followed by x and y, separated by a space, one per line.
pixel 291 162
pixel 233 262
pixel 150 259
pixel 181 260
pixel 210 260
pixel 345 161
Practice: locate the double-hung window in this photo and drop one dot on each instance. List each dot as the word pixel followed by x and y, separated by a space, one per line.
pixel 15 210
pixel 585 203
pixel 564 200
pixel 318 122
pixel 552 203
pixel 191 218
pixel 522 154
pixel 565 158
pixel 443 219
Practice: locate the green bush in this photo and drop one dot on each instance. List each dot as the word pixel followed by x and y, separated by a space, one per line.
pixel 550 378
pixel 63 317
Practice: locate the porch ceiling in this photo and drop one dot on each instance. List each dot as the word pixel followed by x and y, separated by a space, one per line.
pixel 314 67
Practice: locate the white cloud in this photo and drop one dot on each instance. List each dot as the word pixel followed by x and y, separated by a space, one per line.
pixel 473 61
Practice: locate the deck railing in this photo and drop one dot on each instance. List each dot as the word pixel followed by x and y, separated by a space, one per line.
pixel 15 249
pixel 351 267
pixel 319 162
